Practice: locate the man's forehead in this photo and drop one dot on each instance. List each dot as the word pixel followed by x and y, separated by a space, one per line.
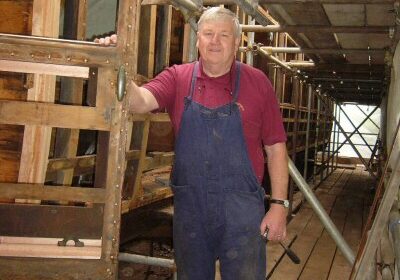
pixel 220 24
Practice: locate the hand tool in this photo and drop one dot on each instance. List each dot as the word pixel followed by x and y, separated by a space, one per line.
pixel 289 252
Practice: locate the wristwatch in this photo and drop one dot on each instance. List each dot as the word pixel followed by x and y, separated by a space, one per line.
pixel 283 202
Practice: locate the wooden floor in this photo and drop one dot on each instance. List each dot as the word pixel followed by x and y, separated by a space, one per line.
pixel 346 195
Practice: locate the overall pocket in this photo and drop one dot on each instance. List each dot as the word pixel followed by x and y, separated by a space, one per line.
pixel 244 210
pixel 185 212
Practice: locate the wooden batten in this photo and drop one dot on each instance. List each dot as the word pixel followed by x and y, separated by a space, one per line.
pixel 42 68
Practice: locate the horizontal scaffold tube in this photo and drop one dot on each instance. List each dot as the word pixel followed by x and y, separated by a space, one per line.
pixel 134 258
pixel 321 51
pixel 321 213
pixel 308 28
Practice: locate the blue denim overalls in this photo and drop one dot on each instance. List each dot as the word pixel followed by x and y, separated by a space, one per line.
pixel 218 202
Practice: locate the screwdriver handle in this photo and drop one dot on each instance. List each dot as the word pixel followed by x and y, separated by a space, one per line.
pixel 294 258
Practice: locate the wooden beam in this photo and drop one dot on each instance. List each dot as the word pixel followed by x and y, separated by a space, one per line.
pixel 315 28
pixel 55 51
pixel 44 268
pixel 43 68
pixel 48 114
pixel 71 163
pixel 159 117
pixel 44 192
pixel 36 143
pixel 66 140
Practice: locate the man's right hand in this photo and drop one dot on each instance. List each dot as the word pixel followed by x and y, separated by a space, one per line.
pixel 107 41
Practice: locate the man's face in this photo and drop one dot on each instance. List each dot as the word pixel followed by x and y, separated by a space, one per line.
pixel 217 43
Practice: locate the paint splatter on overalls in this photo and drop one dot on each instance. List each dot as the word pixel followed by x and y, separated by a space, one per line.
pixel 217 199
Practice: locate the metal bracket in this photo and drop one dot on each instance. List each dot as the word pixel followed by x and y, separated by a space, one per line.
pixel 121 83
pixel 75 239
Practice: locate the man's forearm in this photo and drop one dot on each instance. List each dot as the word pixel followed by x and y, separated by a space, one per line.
pixel 278 170
pixel 141 100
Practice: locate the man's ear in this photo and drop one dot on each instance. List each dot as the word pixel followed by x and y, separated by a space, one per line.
pixel 237 43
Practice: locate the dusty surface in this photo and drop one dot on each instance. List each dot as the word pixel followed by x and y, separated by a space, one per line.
pixel 160 248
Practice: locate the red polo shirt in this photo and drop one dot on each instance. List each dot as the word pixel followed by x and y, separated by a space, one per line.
pixel 261 117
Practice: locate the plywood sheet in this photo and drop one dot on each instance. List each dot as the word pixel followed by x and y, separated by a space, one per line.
pixel 346 15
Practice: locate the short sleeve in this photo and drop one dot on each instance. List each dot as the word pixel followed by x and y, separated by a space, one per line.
pixel 272 127
pixel 163 87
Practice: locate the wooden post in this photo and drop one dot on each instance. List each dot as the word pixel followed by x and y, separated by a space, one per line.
pixel 66 144
pixel 36 143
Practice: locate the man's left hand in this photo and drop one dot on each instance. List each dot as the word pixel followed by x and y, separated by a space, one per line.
pixel 275 222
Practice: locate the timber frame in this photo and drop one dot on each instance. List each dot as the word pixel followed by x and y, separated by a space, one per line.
pixel 41 198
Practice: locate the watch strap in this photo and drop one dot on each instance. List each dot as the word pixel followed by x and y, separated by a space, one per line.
pixel 284 203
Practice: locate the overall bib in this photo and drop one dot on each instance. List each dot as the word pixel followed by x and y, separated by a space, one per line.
pixel 218 202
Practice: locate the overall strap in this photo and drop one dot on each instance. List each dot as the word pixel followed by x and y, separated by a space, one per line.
pixel 194 77
pixel 237 81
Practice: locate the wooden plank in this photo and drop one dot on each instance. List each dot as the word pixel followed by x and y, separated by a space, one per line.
pixel 304 244
pixel 42 68
pixel 159 117
pixel 44 192
pixel 36 143
pixel 163 38
pixel 47 114
pixel 46 269
pixel 66 140
pixel 44 241
pixel 152 41
pixel 26 220
pixel 49 251
pixel 16 17
pixel 137 188
pixel 71 163
pixel 319 263
pixel 55 51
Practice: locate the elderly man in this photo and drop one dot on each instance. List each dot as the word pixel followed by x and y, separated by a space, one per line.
pixel 223 112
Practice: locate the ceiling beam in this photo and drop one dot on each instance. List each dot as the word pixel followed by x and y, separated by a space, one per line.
pixel 315 28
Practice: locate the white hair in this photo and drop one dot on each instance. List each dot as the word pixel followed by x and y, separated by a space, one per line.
pixel 220 13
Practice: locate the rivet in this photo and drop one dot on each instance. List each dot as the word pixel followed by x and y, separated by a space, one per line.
pixel 112 257
pixel 12 53
pixel 129 26
pixel 85 60
pixel 107 61
pixel 112 83
pixel 94 73
pixel 126 63
pixel 108 270
pixel 49 56
pixel 115 221
pixel 117 186
pixel 32 55
pixel 116 204
pixel 68 58
pixel 130 7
